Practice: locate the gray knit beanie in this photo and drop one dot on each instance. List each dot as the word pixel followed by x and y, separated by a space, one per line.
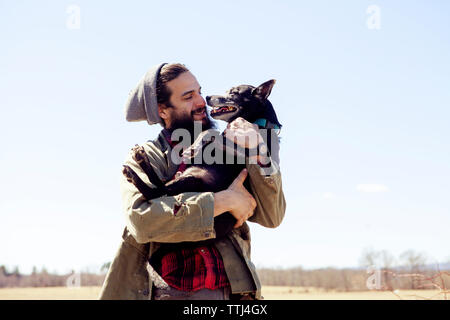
pixel 142 103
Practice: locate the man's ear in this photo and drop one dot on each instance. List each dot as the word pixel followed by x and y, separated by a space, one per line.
pixel 264 90
pixel 163 112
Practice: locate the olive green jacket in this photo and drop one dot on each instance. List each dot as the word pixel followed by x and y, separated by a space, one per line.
pixel 150 223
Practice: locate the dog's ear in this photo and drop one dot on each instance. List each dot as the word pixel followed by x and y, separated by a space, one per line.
pixel 263 91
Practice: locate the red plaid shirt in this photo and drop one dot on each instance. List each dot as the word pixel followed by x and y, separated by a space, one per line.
pixel 193 268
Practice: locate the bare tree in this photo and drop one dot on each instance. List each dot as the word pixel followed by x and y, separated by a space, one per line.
pixel 369 257
pixel 415 262
pixel 387 263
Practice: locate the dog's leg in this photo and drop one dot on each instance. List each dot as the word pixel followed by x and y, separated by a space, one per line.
pixel 149 193
pixel 185 184
pixel 224 223
pixel 141 159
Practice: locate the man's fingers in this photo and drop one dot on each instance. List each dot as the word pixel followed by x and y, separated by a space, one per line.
pixel 239 223
pixel 240 178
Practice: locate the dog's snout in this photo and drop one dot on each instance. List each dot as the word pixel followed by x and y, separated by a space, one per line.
pixel 214 100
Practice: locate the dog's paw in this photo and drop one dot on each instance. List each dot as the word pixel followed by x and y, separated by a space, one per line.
pixel 128 173
pixel 138 154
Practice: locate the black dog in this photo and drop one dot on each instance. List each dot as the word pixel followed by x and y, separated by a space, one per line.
pixel 243 101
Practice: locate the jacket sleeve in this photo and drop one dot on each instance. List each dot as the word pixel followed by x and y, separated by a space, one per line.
pixel 185 217
pixel 266 187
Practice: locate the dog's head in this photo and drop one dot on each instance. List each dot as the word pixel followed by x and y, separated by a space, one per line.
pixel 244 101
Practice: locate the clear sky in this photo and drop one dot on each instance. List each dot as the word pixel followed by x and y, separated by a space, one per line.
pixel 362 109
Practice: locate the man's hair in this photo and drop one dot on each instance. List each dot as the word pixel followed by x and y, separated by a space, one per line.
pixel 168 72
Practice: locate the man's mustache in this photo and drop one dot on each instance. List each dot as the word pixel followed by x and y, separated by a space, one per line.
pixel 198 110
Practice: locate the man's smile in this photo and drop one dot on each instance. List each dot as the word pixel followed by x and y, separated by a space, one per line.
pixel 199 113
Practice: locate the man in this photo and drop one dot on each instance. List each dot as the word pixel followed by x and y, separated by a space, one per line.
pixel 149 264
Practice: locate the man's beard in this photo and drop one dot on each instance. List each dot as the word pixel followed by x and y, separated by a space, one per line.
pixel 186 122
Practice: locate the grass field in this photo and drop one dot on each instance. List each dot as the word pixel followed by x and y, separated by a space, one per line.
pixel 269 293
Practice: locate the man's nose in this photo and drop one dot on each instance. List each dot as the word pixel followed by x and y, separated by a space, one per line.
pixel 200 102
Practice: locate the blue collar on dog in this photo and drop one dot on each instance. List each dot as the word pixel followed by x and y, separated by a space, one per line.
pixel 267 124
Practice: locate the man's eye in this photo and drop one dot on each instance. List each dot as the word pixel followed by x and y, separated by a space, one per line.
pixel 188 98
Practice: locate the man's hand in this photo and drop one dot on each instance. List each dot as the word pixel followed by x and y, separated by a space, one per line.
pixel 243 133
pixel 236 199
pixel 246 135
pixel 243 203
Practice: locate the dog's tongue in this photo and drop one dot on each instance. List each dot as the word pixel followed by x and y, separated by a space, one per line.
pixel 223 108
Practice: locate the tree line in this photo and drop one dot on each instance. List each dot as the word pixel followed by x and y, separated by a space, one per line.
pixel 378 270
pixel 43 278
pixel 410 270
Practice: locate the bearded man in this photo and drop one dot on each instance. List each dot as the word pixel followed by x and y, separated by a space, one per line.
pixel 144 268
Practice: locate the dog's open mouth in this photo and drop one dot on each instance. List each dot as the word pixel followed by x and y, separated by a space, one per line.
pixel 217 110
